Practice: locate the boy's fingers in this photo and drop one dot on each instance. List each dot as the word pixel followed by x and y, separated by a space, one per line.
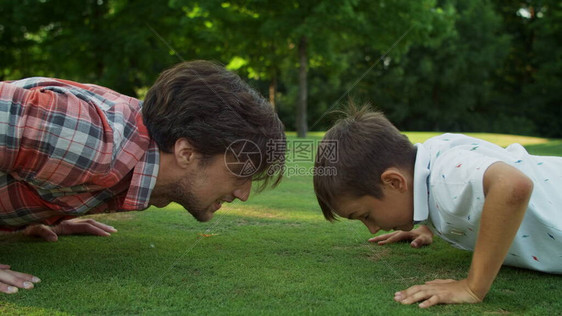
pixel 378 238
pixel 434 300
pixel 4 266
pixel 420 241
pixel 411 295
pixel 440 281
pixel 383 237
pixel 391 240
pixel 396 236
pixel 437 292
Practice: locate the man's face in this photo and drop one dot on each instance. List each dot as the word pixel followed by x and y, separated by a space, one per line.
pixel 204 188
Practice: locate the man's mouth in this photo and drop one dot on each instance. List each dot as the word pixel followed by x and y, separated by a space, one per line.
pixel 217 205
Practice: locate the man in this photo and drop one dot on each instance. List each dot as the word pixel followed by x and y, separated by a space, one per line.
pixel 68 149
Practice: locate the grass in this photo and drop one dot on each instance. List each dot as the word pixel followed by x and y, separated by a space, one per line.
pixel 274 255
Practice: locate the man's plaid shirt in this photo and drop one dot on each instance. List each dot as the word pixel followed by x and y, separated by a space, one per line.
pixel 67 149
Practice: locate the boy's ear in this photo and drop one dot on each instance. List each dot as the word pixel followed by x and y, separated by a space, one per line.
pixel 394 178
pixel 184 152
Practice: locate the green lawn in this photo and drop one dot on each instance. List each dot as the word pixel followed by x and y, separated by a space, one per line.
pixel 272 255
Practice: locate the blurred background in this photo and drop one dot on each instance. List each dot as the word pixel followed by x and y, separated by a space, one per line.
pixel 465 66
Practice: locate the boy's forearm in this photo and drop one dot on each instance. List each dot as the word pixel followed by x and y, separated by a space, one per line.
pixel 507 196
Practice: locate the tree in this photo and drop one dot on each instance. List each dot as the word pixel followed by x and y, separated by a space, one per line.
pixel 429 64
pixel 544 94
pixel 97 41
pixel 443 83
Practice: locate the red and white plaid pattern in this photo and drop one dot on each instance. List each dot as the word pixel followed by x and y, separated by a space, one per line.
pixel 69 149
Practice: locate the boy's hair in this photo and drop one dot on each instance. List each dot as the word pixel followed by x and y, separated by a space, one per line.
pixel 214 109
pixel 367 144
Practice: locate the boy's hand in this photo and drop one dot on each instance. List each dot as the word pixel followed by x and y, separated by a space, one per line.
pixel 420 236
pixel 438 292
pixel 10 280
pixel 70 227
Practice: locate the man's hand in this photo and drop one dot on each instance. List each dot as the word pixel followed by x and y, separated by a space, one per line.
pixel 420 236
pixel 438 292
pixel 70 227
pixel 10 280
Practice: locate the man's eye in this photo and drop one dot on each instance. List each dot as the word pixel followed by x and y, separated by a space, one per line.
pixel 242 180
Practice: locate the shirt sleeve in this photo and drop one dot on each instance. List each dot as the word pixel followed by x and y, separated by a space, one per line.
pixel 52 139
pixel 457 195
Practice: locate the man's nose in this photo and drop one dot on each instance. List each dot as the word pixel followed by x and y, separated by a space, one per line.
pixel 243 192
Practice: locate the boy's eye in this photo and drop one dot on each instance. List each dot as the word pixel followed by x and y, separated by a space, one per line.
pixel 366 217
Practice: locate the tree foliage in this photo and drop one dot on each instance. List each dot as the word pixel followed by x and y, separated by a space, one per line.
pixel 473 65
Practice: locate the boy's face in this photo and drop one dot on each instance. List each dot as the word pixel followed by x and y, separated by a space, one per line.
pixel 393 212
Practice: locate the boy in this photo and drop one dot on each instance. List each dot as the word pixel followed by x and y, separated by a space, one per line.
pixel 503 204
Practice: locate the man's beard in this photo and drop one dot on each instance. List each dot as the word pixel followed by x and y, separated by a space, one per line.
pixel 181 192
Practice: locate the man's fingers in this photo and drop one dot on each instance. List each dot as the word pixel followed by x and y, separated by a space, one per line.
pixel 25 276
pixel 41 231
pixel 69 227
pixel 11 280
pixel 102 226
pixel 84 226
pixel 4 266
pixel 8 289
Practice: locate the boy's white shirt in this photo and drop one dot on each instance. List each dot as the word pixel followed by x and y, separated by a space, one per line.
pixel 449 196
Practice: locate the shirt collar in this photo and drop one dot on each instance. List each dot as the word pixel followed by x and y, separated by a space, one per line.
pixel 144 173
pixel 421 192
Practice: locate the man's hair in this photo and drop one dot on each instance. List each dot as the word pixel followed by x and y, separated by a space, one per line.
pixel 214 109
pixel 367 145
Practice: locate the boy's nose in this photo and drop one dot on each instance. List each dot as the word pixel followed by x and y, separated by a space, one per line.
pixel 372 227
pixel 243 192
pixel 374 230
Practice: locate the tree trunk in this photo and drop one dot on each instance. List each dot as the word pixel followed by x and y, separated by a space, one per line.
pixel 273 89
pixel 303 93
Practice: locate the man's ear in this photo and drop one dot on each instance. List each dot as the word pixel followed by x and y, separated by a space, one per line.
pixel 184 152
pixel 394 178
